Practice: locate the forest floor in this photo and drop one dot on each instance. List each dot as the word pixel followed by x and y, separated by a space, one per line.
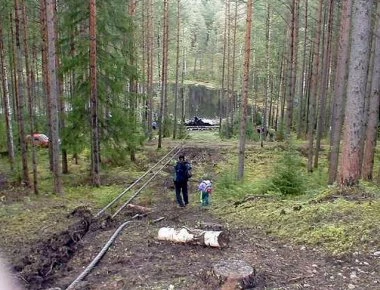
pixel 53 252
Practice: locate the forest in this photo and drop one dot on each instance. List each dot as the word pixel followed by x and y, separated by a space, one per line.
pixel 98 95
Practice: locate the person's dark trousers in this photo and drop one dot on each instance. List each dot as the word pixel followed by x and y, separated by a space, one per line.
pixel 181 186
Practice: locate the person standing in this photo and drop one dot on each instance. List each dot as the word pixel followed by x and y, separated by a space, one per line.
pixel 182 173
pixel 205 189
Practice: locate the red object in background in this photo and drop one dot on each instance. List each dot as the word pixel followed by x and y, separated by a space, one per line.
pixel 40 140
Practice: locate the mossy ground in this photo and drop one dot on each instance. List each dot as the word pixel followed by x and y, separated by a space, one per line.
pixel 321 215
pixel 338 221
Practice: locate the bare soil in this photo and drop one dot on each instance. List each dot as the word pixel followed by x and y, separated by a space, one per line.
pixel 137 260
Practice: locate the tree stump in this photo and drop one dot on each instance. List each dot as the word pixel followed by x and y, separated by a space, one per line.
pixel 234 274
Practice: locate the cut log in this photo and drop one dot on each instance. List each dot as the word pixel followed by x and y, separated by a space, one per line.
pixel 139 208
pixel 234 274
pixel 216 239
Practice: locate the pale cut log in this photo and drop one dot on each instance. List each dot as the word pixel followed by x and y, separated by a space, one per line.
pixel 234 274
pixel 218 239
pixel 139 208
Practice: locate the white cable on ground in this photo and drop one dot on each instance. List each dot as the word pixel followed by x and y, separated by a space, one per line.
pixel 141 188
pixel 134 183
pixel 100 255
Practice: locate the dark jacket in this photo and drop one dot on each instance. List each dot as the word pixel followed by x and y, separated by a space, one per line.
pixel 181 171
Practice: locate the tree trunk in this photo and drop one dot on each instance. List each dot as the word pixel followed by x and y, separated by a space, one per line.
pixel 324 83
pixel 356 87
pixel 292 68
pixel 247 57
pixel 183 91
pixel 233 105
pixel 133 85
pixel 6 104
pixel 267 74
pixel 45 73
pixel 228 76
pixel 221 92
pixel 339 86
pixel 95 154
pixel 162 117
pixel 30 96
pixel 302 91
pixel 61 102
pixel 374 102
pixel 20 95
pixel 314 90
pixel 176 73
pixel 53 94
pixel 165 69
pixel 150 62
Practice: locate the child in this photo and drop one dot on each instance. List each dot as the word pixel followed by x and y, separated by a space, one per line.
pixel 205 188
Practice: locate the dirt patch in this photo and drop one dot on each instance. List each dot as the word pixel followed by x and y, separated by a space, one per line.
pixel 44 259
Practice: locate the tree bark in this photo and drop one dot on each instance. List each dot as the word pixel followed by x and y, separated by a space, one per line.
pixel 95 153
pixel 45 73
pixel 266 118
pixel 302 91
pixel 374 102
pixel 233 101
pixel 53 94
pixel 6 104
pixel 324 83
pixel 221 92
pixel 292 67
pixel 20 97
pixel 176 73
pixel 150 62
pixel 165 69
pixel 339 93
pixel 314 90
pixel 247 57
pixel 163 103
pixel 30 95
pixel 356 88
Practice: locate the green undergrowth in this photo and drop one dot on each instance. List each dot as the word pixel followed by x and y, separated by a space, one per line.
pixel 24 214
pixel 279 198
pixel 33 216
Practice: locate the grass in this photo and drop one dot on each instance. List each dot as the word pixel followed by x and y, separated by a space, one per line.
pixel 319 216
pixel 338 221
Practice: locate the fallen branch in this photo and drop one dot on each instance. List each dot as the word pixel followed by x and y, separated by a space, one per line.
pixel 158 220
